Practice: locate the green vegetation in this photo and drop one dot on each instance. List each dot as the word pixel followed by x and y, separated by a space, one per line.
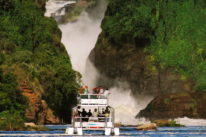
pixel 171 32
pixel 30 45
pixel 37 128
pixel 167 100
pixel 12 120
pixel 12 103
pixel 171 123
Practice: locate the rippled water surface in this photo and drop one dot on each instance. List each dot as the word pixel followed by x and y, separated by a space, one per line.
pixel 191 131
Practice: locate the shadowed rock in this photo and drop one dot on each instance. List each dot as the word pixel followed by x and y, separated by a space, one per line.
pixel 175 105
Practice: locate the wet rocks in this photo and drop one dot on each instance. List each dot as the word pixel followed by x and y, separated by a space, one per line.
pixel 151 126
pixel 129 63
pixel 175 105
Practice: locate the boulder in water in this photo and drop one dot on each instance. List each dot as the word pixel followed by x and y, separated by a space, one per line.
pixel 31 124
pixel 151 126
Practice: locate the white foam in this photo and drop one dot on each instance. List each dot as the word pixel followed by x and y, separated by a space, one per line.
pixel 191 122
pixel 53 6
pixel 127 106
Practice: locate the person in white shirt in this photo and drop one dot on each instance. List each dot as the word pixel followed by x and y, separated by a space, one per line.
pixel 101 90
pixel 95 113
pixel 106 92
pixel 94 116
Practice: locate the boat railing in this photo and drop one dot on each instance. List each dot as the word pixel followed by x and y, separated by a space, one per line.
pixel 93 119
pixel 93 99
pixel 92 96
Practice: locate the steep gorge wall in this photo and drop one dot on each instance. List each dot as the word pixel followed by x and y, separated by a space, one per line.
pixel 176 106
pixel 31 49
pixel 131 64
pixel 157 47
pixel 149 44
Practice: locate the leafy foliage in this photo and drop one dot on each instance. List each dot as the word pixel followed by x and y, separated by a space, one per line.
pixel 172 32
pixel 12 103
pixel 31 41
pixel 129 20
pixel 11 121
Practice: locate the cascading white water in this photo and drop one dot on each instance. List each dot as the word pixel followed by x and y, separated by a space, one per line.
pixel 79 38
pixel 56 7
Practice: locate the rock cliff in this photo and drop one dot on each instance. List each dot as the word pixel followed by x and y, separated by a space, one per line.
pixel 149 45
pixel 176 105
pixel 128 63
pixel 38 110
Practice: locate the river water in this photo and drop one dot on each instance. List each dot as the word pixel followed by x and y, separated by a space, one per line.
pixel 59 130
pixel 79 38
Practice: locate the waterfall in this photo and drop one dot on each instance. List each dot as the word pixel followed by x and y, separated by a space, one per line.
pixel 79 38
pixel 56 7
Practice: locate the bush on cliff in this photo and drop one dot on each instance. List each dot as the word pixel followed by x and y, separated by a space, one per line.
pixel 11 121
pixel 12 103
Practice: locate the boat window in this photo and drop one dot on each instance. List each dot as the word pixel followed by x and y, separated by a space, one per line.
pixel 94 96
pixel 84 96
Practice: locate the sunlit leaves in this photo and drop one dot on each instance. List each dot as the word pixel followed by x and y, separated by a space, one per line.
pixel 175 31
pixel 180 41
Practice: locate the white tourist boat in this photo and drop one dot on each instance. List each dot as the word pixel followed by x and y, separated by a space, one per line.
pixel 104 121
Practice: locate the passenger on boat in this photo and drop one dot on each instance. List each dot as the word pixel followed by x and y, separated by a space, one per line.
pixel 81 90
pixel 84 115
pixel 96 90
pixel 89 114
pixel 76 114
pixel 86 91
pixel 101 116
pixel 94 116
pixel 95 113
pixel 79 111
pixel 107 113
pixel 101 90
pixel 106 92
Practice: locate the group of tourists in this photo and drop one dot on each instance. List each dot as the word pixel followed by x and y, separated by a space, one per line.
pixel 96 115
pixel 97 90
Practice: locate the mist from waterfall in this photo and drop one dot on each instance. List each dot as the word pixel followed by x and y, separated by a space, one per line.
pixel 126 105
pixel 80 38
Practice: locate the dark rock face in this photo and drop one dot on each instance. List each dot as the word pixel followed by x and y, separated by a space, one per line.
pixel 176 105
pixel 131 64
